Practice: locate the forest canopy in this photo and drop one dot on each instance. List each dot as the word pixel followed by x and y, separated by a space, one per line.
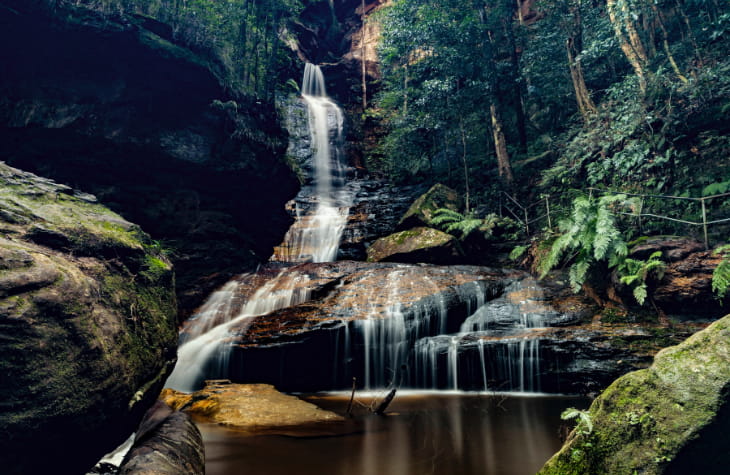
pixel 539 97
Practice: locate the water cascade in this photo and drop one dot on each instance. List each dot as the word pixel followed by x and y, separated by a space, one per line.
pixel 204 351
pixel 498 342
pixel 316 234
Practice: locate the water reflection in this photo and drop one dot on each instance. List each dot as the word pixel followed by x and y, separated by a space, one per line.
pixel 436 434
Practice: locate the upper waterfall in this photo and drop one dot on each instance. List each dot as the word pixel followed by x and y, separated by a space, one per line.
pixel 315 236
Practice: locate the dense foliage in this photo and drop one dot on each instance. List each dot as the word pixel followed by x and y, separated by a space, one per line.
pixel 247 36
pixel 630 95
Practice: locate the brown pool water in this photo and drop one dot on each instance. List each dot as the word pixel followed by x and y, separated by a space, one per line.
pixel 440 434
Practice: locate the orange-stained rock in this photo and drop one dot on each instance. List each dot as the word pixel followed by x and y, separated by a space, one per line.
pixel 248 407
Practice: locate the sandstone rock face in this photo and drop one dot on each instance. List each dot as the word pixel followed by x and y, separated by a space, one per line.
pixel 87 317
pixel 416 245
pixel 248 407
pixel 664 419
pixel 685 291
pixel 167 443
pixel 111 106
pixel 357 319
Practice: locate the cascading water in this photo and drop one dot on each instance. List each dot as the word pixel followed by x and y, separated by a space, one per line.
pixel 205 348
pixel 504 336
pixel 316 235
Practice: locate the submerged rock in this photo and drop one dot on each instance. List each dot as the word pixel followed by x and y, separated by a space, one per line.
pixel 416 245
pixel 88 324
pixel 167 443
pixel 248 407
pixel 670 418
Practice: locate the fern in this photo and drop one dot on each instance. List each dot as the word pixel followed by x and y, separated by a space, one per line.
pixel 455 223
pixel 585 424
pixel 634 273
pixel 518 252
pixel 591 233
pixel 721 274
pixel 446 216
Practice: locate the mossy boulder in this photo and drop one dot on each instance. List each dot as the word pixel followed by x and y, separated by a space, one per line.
pixel 416 245
pixel 668 418
pixel 421 211
pixel 87 318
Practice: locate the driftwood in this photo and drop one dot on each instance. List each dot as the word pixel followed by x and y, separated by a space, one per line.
pixel 385 403
pixel 352 397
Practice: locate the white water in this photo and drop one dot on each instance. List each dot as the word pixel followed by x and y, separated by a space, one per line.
pixel 500 337
pixel 316 235
pixel 207 345
pixel 208 342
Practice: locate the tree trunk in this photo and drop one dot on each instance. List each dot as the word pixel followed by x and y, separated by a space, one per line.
pixel 665 42
pixel 466 168
pixel 573 47
pixel 517 81
pixel 362 59
pixel 500 145
pixel 630 42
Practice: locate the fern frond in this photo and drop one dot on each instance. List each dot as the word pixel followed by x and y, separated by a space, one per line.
pixel 446 216
pixel 721 278
pixel 640 293
pixel 464 227
pixel 578 272
pixel 517 252
pixel 585 424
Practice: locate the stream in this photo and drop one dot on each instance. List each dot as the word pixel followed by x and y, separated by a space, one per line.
pixel 437 433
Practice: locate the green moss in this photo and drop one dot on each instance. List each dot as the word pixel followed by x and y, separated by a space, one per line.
pixel 644 418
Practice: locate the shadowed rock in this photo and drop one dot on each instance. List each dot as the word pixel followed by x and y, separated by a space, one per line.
pixel 167 443
pixel 88 325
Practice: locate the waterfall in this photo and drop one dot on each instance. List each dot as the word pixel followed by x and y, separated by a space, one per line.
pixel 205 344
pixel 315 237
pixel 205 347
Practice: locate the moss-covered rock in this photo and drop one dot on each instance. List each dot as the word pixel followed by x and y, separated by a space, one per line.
pixel 87 318
pixel 663 419
pixel 421 211
pixel 416 245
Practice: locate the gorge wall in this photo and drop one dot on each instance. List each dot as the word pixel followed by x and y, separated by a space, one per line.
pixel 110 106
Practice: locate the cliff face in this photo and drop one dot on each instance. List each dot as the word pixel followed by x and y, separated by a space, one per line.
pixel 88 325
pixel 112 107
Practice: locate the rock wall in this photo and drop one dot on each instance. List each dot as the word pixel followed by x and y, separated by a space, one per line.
pixel 111 106
pixel 88 325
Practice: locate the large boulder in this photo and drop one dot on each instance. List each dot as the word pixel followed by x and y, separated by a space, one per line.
pixel 669 418
pixel 417 245
pixel 113 106
pixel 421 211
pixel 88 325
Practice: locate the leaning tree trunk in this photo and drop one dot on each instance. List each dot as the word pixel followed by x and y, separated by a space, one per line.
pixel 500 145
pixel 574 46
pixel 630 42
